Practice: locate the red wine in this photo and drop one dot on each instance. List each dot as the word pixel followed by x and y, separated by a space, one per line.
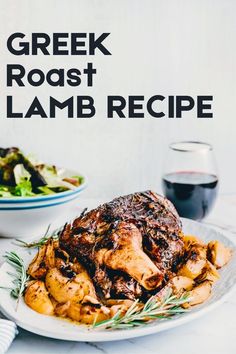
pixel 192 193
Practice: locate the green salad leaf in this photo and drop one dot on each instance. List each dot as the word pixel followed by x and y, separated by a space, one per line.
pixel 5 192
pixel 46 190
pixel 80 179
pixel 23 184
pixel 23 176
pixel 24 189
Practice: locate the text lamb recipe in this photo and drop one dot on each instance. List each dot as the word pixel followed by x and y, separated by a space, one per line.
pixel 117 106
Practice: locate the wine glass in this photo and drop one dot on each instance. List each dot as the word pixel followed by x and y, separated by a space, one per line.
pixel 190 179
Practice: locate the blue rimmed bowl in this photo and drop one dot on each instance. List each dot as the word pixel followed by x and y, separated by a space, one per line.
pixel 24 217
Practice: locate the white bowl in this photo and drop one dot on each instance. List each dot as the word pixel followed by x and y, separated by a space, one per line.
pixel 24 217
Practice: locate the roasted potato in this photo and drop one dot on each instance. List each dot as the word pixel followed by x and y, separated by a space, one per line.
pixel 198 294
pixel 177 285
pixel 88 314
pixel 44 260
pixel 192 268
pixel 180 284
pixel 64 289
pixel 196 260
pixel 36 297
pixel 218 254
pixel 191 239
pixel 61 309
pixel 116 305
pixel 209 272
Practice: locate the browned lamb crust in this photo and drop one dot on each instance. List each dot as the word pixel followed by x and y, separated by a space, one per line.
pixel 130 246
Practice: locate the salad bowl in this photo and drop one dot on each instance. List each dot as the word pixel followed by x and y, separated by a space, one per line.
pixel 24 217
pixel 33 194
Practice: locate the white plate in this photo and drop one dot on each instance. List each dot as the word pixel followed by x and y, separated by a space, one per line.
pixel 62 329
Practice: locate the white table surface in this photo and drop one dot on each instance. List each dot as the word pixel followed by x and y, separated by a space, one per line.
pixel 213 333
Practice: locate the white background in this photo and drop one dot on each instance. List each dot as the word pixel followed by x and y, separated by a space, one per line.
pixel 158 47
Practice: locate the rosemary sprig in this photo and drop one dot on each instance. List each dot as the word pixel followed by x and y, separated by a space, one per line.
pixel 139 314
pixel 20 277
pixel 54 235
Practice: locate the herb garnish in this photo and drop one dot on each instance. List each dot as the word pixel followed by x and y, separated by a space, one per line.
pixel 139 314
pixel 54 235
pixel 20 277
